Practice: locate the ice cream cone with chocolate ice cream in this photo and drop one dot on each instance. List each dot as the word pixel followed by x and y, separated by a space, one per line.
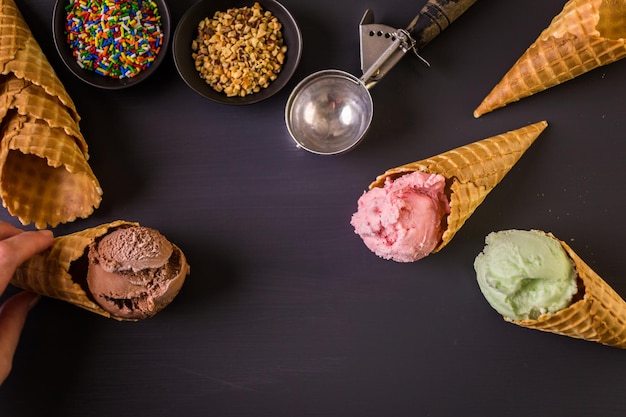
pixel 433 198
pixel 585 35
pixel 44 174
pixel 537 281
pixel 119 270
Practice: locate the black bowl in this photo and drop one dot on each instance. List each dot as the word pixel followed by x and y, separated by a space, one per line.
pixel 186 32
pixel 59 18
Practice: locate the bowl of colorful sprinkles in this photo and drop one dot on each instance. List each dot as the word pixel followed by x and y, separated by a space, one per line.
pixel 237 51
pixel 111 44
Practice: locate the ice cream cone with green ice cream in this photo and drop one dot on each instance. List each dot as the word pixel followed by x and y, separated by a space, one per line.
pixel 537 281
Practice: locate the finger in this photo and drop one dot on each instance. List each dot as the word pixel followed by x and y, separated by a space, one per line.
pixel 17 249
pixel 7 230
pixel 12 317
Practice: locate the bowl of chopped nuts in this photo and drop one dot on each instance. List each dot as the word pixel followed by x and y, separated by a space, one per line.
pixel 111 45
pixel 237 51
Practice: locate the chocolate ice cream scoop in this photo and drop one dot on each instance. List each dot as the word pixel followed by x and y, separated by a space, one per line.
pixel 108 253
pixel 134 272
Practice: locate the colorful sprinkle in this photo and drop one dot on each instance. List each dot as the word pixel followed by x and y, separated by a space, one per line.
pixel 114 38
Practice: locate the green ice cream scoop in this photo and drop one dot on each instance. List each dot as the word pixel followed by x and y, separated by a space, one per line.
pixel 525 273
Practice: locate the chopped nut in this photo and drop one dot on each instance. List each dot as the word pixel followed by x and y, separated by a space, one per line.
pixel 239 51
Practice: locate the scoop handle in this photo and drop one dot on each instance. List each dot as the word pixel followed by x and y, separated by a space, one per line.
pixel 434 17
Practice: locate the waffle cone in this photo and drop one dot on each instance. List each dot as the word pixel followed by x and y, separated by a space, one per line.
pixel 60 272
pixel 21 55
pixel 44 175
pixel 471 172
pixel 30 99
pixel 48 273
pixel 586 34
pixel 599 316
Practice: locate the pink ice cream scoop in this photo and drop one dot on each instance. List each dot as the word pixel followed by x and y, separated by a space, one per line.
pixel 404 220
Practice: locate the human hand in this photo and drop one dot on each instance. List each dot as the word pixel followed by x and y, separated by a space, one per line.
pixel 16 246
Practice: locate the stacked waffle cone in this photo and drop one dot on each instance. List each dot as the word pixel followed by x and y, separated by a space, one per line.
pixel 599 316
pixel 586 34
pixel 471 172
pixel 45 178
pixel 60 272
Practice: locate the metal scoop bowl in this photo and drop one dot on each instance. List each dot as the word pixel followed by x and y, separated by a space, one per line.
pixel 329 112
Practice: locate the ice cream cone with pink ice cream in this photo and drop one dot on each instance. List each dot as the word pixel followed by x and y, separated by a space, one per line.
pixel 585 35
pixel 416 209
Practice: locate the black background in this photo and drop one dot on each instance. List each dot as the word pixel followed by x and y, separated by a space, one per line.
pixel 286 313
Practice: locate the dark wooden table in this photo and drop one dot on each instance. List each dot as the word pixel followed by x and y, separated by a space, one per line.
pixel 286 313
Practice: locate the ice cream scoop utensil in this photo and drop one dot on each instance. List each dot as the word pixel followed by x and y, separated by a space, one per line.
pixel 329 112
pixel 432 19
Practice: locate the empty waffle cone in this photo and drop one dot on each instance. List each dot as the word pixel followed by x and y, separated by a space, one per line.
pixel 586 34
pixel 21 55
pixel 599 316
pixel 60 272
pixel 471 172
pixel 44 175
pixel 30 99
